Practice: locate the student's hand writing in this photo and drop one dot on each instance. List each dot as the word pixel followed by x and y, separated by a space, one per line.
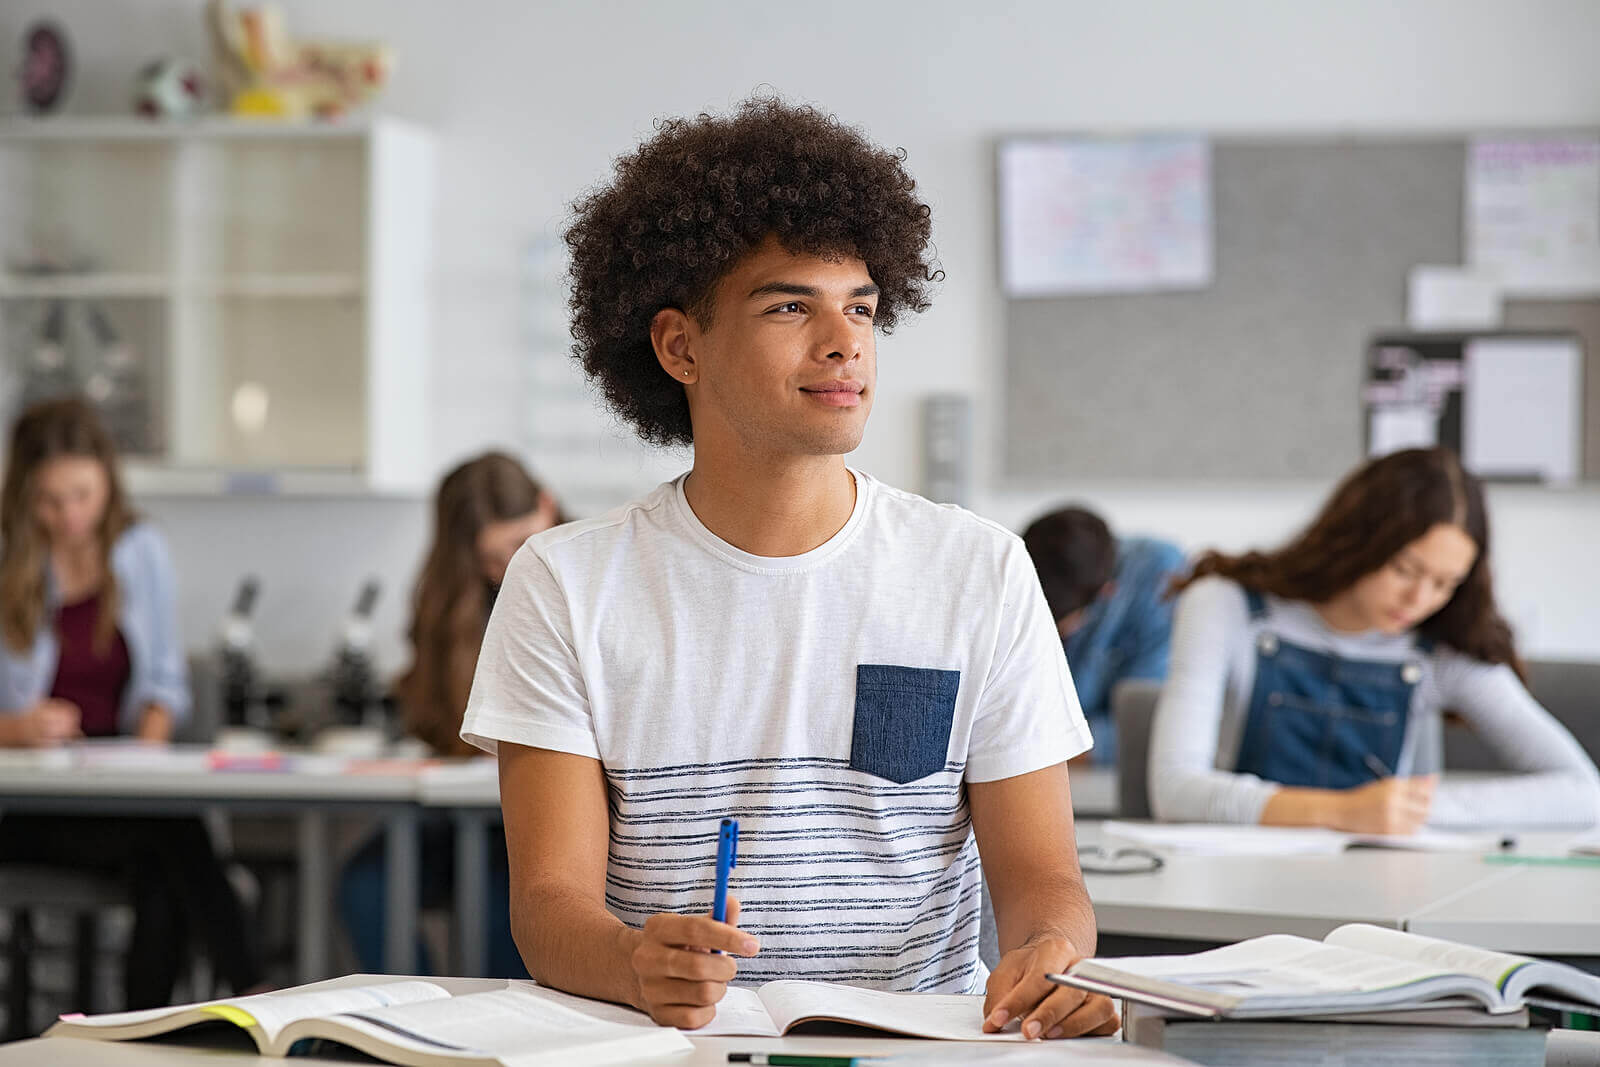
pixel 1018 989
pixel 1387 806
pixel 679 977
pixel 49 722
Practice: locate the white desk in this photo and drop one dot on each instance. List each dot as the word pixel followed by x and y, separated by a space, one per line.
pixel 1545 910
pixel 181 1049
pixel 708 1052
pixel 178 781
pixel 1534 909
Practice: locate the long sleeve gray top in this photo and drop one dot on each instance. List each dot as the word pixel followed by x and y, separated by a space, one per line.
pixel 1200 720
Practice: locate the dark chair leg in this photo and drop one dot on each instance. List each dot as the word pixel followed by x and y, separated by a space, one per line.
pixel 19 980
pixel 85 951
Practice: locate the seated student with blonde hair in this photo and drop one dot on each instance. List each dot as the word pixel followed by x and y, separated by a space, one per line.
pixel 1307 684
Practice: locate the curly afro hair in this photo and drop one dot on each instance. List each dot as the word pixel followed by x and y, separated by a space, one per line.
pixel 695 199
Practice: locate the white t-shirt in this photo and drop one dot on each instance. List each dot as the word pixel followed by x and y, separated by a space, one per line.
pixel 710 682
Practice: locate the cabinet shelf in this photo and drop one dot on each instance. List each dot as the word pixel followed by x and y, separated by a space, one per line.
pixel 257 319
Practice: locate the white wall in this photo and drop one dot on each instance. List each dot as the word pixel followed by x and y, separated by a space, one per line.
pixel 530 102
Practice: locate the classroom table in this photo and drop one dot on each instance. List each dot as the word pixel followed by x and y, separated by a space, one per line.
pixel 179 780
pixel 708 1052
pixel 1565 1048
pixel 203 1048
pixel 1221 899
pixel 1549 910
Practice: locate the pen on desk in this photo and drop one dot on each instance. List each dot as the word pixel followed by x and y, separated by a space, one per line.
pixel 727 859
pixel 799 1059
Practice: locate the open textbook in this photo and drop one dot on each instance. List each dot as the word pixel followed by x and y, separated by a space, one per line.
pixel 521 1024
pixel 776 1008
pixel 1210 839
pixel 1356 968
pixel 414 1023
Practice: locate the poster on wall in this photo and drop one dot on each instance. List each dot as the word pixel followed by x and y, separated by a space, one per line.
pixel 1533 214
pixel 1091 215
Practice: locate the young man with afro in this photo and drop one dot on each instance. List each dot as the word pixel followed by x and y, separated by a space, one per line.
pixel 869 682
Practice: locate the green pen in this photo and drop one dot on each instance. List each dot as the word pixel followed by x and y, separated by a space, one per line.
pixel 1543 861
pixel 797 1059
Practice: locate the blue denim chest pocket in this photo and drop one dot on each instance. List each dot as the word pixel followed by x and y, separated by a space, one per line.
pixel 902 720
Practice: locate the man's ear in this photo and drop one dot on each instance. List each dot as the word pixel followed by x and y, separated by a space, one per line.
pixel 669 336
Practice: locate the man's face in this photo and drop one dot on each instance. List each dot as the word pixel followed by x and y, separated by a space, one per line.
pixel 788 366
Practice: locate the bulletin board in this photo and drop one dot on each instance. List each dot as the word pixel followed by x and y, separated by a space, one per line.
pixel 1257 375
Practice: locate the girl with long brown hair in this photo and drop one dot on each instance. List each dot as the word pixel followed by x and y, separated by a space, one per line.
pixel 483 512
pixel 1308 683
pixel 89 645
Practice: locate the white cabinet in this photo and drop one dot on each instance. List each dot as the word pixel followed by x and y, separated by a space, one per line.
pixel 248 302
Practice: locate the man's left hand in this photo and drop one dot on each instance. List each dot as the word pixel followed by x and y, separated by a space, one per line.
pixel 1018 989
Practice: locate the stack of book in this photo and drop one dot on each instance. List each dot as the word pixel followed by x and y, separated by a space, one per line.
pixel 1363 995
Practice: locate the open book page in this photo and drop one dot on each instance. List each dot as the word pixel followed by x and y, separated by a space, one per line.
pixel 950 1017
pixel 269 1011
pixel 741 1013
pixel 1511 974
pixel 274 1011
pixel 521 1025
pixel 1281 972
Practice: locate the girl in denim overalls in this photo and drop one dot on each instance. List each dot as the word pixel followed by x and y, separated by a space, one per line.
pixel 1307 684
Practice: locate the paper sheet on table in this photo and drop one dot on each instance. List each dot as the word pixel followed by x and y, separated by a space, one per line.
pixel 1210 839
pixel 1586 845
pixel 1521 408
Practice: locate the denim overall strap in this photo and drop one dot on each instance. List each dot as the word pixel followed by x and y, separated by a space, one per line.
pixel 1320 721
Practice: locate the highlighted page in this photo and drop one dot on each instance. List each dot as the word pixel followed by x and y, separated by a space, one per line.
pixel 274 1011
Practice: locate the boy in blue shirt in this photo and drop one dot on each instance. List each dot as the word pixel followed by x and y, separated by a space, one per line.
pixel 1109 599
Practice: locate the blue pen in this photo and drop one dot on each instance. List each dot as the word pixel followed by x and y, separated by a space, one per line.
pixel 727 859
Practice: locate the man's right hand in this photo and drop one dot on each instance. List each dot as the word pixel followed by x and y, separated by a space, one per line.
pixel 1387 806
pixel 679 974
pixel 49 722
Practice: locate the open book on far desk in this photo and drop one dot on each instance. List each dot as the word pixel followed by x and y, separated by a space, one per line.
pixel 1356 968
pixel 1210 839
pixel 418 1023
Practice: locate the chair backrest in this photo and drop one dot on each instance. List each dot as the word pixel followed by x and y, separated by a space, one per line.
pixel 1133 706
pixel 1568 689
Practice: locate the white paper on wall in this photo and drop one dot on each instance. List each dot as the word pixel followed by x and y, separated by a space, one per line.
pixel 1090 215
pixel 1520 415
pixel 1533 214
pixel 1451 298
pixel 1396 428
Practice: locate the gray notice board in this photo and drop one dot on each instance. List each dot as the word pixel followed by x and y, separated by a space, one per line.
pixel 1257 376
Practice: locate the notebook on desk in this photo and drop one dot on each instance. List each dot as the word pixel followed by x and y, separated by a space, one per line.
pixel 1211 839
